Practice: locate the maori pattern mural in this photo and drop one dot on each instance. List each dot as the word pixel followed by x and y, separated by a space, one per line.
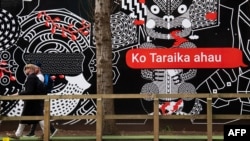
pixel 60 41
pixel 59 35
pixel 193 24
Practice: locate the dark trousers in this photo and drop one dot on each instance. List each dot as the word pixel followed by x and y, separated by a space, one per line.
pixel 33 128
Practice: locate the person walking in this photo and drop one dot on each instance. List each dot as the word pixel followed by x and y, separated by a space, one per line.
pixel 32 86
pixel 53 130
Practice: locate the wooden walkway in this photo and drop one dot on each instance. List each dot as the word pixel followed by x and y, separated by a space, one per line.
pixel 122 138
pixel 100 116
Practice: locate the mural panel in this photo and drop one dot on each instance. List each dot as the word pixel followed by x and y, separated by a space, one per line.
pixel 59 35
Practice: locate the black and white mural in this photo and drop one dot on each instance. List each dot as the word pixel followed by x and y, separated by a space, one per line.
pixel 59 34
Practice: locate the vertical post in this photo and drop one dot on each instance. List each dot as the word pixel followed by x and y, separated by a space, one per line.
pixel 99 120
pixel 0 112
pixel 156 119
pixel 209 119
pixel 46 119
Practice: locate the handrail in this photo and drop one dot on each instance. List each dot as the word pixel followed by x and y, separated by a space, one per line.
pixel 99 116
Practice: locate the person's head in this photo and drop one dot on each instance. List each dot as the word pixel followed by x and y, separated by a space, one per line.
pixel 38 67
pixel 29 69
pixel 39 64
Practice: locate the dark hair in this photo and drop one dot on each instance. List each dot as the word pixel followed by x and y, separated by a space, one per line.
pixel 38 64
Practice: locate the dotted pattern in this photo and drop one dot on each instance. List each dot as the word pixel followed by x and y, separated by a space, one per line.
pixel 9 29
pixel 123 30
pixel 149 89
pixel 198 11
pixel 57 63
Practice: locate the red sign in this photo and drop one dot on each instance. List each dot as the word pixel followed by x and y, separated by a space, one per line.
pixel 184 58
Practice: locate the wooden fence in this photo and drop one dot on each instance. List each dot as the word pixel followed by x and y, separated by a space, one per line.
pixel 209 116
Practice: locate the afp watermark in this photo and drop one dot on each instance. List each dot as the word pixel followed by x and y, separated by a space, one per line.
pixel 237 132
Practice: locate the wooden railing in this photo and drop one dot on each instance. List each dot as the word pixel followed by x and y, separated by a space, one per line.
pixel 209 116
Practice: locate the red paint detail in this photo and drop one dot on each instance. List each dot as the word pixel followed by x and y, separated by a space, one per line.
pixel 39 15
pixel 57 19
pixel 61 76
pixel 3 63
pixel 208 57
pixel 70 29
pixel 211 16
pixel 85 33
pixel 139 22
pixel 12 78
pixel 46 23
pixel 177 104
pixel 73 37
pixel 163 107
pixel 178 40
pixel 53 30
pixel 4 69
pixel 64 35
pixel 142 1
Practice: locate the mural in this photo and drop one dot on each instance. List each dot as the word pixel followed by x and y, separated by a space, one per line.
pixel 60 41
pixel 59 34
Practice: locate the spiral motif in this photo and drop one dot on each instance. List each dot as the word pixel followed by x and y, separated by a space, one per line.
pixel 9 29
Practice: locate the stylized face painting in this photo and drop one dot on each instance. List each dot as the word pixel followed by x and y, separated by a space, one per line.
pixel 168 18
pixel 168 24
